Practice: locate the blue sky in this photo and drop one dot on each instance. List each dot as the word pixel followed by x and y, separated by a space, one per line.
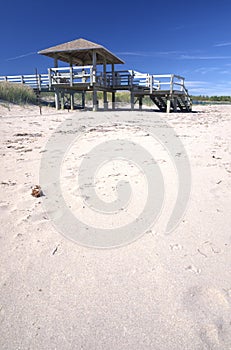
pixel 189 38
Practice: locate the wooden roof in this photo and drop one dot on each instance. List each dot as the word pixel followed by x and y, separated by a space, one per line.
pixel 79 52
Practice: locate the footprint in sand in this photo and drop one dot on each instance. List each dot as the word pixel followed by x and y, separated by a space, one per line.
pixel 211 314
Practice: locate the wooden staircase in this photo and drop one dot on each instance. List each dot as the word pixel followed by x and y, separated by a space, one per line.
pixel 177 99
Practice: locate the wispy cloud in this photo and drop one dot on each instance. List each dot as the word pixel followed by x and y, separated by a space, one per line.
pixel 208 88
pixel 134 53
pixel 191 57
pixel 225 72
pixel 21 56
pixel 181 55
pixel 196 83
pixel 205 70
pixel 171 53
pixel 223 44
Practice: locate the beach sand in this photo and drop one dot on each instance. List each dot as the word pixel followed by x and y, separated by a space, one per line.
pixel 159 292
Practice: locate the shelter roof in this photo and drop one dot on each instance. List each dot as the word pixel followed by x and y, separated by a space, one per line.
pixel 80 52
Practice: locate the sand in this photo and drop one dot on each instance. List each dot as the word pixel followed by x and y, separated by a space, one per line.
pixel 159 292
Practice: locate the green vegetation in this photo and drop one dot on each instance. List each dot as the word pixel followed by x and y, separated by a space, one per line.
pixel 22 94
pixel 16 93
pixel 211 98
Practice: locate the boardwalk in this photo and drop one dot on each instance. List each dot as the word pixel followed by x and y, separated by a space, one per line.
pixel 168 92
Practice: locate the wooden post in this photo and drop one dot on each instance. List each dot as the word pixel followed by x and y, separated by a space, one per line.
pixel 71 76
pixel 113 100
pixel 84 79
pixel 151 83
pixel 62 99
pixel 132 99
pixel 83 99
pixel 140 103
pixel 49 77
pixel 168 108
pixel 171 83
pixel 95 101
pixel 94 94
pixel 94 66
pixel 55 62
pixel 113 75
pixel 72 99
pixel 105 103
pixel 57 101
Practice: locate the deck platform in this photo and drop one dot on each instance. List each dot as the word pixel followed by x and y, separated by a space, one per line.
pixel 168 92
pixel 88 71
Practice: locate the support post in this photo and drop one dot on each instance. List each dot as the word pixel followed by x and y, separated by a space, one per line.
pixel 72 99
pixel 113 75
pixel 95 101
pixel 71 76
pixel 94 94
pixel 83 99
pixel 105 103
pixel 55 62
pixel 57 100
pixel 94 66
pixel 132 99
pixel 62 99
pixel 140 103
pixel 113 100
pixel 168 108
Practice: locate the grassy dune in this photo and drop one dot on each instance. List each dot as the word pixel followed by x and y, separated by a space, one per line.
pixel 16 93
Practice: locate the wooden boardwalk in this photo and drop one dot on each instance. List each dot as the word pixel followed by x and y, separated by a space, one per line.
pixel 168 92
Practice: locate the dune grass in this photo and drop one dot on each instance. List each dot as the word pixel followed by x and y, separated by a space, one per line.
pixel 16 93
pixel 22 94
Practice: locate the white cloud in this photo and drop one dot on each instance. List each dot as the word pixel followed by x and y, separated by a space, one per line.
pixel 195 83
pixel 223 44
pixel 189 57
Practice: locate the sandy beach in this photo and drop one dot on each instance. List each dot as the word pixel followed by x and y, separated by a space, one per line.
pixel 159 292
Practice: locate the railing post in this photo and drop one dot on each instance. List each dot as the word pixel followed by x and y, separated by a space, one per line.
pixel 182 84
pixel 49 78
pixel 131 78
pixel 151 84
pixel 71 76
pixel 91 76
pixel 22 79
pixel 171 83
pixel 39 82
pixel 113 75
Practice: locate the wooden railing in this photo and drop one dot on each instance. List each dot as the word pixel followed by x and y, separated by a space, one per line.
pixel 70 76
pixel 35 81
